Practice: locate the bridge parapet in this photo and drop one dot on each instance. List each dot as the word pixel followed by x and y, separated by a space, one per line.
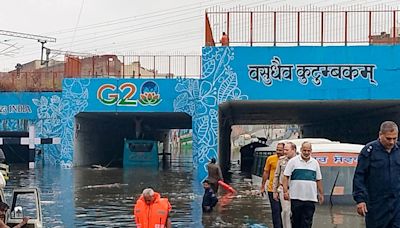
pixel 289 26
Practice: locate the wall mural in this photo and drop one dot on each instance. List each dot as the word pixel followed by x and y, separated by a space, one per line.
pixel 240 73
pixel 43 110
pixel 75 99
pixel 200 99
pixel 109 94
pixel 48 124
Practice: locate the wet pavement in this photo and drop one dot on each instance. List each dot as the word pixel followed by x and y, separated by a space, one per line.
pixel 84 197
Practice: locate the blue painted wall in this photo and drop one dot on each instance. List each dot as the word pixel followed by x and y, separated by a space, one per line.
pixel 240 73
pixel 43 110
pixel 287 73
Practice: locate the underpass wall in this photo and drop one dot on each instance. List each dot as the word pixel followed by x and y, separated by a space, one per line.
pixel 228 73
pixel 19 110
pixel 93 142
pixel 361 128
pixel 100 141
pixel 301 73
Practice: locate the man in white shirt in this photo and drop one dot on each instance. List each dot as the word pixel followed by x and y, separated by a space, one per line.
pixel 289 151
pixel 305 179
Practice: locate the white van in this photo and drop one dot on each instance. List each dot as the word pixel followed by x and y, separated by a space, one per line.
pixel 297 142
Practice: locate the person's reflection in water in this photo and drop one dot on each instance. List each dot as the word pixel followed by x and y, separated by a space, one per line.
pixel 224 201
pixel 336 218
pixel 208 219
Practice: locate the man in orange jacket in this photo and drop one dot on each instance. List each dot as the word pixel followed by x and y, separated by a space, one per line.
pixel 152 211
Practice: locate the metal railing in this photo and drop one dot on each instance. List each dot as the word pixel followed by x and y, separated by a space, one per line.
pixel 161 66
pixel 127 66
pixel 308 27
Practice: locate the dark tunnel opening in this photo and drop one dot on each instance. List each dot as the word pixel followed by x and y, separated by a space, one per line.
pixel 14 152
pixel 100 137
pixel 352 121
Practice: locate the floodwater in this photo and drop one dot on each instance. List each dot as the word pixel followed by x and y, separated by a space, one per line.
pixel 84 197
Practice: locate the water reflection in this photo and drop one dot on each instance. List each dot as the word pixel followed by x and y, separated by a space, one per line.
pixel 84 197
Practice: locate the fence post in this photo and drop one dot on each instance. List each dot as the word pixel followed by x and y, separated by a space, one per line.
pixel 123 66
pixel 298 28
pixel 201 67
pixel 369 27
pixel 154 66
pixel 169 66
pixel 184 65
pixel 227 23
pixel 108 66
pixel 138 66
pixel 93 66
pixel 251 28
pixel 322 28
pixel 394 26
pixel 275 28
pixel 345 28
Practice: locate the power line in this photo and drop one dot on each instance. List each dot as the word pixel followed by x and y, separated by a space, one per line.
pixel 77 23
pixel 153 14
pixel 144 16
pixel 136 30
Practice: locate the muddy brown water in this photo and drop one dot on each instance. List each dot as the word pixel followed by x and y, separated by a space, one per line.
pixel 83 197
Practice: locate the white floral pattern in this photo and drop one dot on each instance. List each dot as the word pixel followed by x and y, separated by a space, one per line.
pixel 75 98
pixel 49 110
pixel 200 99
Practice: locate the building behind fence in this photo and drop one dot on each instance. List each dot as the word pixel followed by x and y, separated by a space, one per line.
pixel 34 76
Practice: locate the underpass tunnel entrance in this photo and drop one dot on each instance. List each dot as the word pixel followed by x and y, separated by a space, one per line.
pixel 11 146
pixel 352 121
pixel 100 137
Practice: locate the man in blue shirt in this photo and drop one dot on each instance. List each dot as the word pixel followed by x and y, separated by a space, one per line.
pixel 209 197
pixel 376 183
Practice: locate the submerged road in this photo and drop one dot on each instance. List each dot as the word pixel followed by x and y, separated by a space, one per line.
pixel 83 197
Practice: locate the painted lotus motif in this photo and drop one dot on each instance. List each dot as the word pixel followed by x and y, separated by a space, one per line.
pixel 149 98
pixel 149 94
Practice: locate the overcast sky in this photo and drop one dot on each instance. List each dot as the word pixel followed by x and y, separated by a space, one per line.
pixel 119 26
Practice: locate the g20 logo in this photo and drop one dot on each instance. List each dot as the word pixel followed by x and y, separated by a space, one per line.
pixel 109 94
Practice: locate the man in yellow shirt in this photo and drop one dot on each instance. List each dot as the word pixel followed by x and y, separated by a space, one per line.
pixel 269 172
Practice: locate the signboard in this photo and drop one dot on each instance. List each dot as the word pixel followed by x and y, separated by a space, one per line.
pixel 339 159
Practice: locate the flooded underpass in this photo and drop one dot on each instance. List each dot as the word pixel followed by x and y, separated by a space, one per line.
pixel 84 197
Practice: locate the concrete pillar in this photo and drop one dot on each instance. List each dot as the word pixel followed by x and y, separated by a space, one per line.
pixel 31 158
pixel 31 147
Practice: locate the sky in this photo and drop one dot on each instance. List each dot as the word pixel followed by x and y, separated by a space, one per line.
pixel 120 26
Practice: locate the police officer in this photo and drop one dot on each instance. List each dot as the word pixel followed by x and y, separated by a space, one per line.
pixel 376 183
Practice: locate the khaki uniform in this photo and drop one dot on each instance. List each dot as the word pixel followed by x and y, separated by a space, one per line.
pixel 278 188
pixel 214 175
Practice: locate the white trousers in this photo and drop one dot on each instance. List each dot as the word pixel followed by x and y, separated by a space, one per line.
pixel 286 210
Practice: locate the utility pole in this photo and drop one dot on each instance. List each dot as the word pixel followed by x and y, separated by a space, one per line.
pixel 39 38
